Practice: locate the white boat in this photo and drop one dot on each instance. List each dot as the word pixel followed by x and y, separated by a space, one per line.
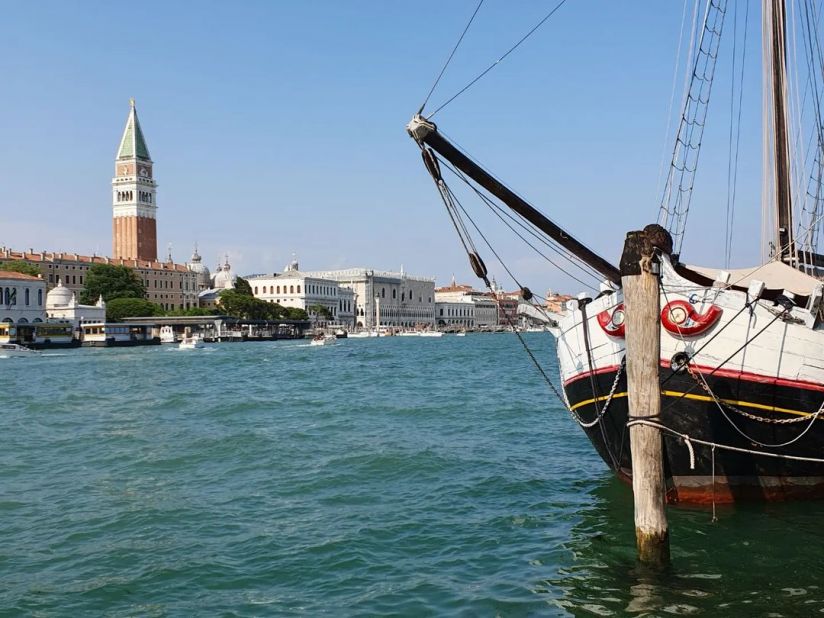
pixel 167 334
pixel 9 350
pixel 363 334
pixel 191 341
pixel 460 334
pixel 322 339
pixel 430 333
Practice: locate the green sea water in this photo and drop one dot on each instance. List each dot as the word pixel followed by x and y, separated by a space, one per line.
pixel 396 476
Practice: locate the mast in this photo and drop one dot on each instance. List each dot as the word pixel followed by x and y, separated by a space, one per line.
pixel 425 132
pixel 776 39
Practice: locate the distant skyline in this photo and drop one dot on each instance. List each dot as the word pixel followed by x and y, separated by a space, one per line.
pixel 278 129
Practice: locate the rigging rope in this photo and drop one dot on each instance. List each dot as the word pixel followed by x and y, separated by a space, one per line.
pixel 732 166
pixel 499 60
pixel 496 209
pixel 448 60
pixel 675 201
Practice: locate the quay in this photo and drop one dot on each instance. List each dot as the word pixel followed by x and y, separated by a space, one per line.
pixel 220 328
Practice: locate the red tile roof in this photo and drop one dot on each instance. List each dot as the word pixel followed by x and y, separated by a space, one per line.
pixel 10 274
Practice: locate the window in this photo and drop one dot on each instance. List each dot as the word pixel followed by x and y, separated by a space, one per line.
pixel 291 289
pixel 394 294
pixel 383 292
pixel 278 289
pixel 256 288
pixel 40 297
pixel 27 296
pixel 298 289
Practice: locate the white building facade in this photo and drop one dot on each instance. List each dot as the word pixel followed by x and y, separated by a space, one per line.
pixel 23 298
pixel 461 306
pixel 405 301
pixel 293 288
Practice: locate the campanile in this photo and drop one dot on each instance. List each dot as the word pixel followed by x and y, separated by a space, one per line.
pixel 134 226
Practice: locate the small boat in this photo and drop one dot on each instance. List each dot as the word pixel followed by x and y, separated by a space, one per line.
pixel 321 339
pixel 363 334
pixel 8 350
pixel 461 333
pixel 167 334
pixel 341 334
pixel 191 341
pixel 430 333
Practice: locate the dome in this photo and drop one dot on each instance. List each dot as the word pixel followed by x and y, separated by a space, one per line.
pixel 59 296
pixel 292 266
pixel 196 266
pixel 224 278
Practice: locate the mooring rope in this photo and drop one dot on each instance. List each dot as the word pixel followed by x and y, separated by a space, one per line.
pixel 686 437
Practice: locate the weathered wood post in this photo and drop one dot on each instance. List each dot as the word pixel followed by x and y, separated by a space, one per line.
pixel 639 279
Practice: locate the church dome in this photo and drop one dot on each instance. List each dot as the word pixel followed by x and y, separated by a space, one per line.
pixel 59 296
pixel 196 265
pixel 224 278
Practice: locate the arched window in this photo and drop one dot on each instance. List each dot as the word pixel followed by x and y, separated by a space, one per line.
pixel 27 296
pixel 256 290
pixel 40 297
pixel 298 289
pixel 291 289
pixel 278 289
pixel 394 294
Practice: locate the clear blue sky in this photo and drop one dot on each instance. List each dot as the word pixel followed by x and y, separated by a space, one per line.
pixel 278 127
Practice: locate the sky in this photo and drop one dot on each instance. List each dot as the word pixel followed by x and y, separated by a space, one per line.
pixel 277 128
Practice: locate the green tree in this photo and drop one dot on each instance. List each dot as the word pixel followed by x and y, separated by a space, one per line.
pixel 112 281
pixel 119 308
pixel 194 311
pixel 319 310
pixel 19 266
pixel 242 287
pixel 293 313
pixel 240 305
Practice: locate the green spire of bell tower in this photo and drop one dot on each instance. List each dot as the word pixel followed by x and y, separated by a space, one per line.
pixel 133 144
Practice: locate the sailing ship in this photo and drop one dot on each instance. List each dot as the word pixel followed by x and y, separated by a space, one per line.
pixel 742 351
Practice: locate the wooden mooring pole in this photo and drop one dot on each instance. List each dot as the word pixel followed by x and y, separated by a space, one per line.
pixel 639 280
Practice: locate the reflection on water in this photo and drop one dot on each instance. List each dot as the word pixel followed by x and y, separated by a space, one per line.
pixel 757 559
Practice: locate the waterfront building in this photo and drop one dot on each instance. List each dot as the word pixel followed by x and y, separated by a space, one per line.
pixel 61 304
pixel 134 199
pixel 293 288
pixel 22 298
pixel 405 300
pixel 463 306
pixel 172 286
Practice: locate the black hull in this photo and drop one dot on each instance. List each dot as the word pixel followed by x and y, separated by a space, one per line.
pixel 687 409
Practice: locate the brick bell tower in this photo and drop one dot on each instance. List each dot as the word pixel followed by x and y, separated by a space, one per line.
pixel 134 226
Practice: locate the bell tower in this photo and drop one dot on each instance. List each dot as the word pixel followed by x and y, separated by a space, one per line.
pixel 134 226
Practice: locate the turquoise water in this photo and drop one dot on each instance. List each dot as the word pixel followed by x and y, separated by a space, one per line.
pixel 397 476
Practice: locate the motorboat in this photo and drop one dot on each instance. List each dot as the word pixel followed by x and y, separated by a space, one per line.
pixel 321 339
pixel 8 350
pixel 191 341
